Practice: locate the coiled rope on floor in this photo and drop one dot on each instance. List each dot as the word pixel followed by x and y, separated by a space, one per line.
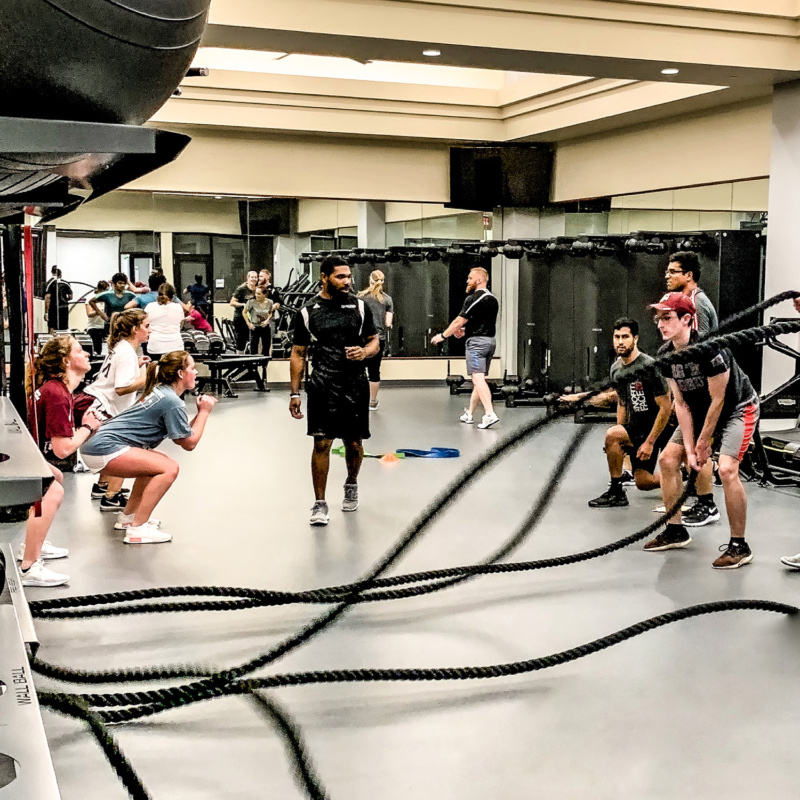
pixel 230 681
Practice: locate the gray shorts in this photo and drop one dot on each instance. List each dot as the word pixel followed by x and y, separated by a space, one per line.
pixel 735 436
pixel 480 351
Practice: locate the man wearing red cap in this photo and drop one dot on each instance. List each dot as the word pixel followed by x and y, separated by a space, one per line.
pixel 716 406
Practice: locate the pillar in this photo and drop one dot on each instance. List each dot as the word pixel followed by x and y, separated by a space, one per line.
pixel 782 272
pixel 371 225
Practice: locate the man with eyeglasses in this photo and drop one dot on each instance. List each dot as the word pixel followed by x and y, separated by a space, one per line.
pixel 716 407
pixel 683 275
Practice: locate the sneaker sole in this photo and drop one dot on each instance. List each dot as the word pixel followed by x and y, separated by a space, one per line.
pixel 145 540
pixel 43 584
pixel 350 509
pixel 616 505
pixel 745 560
pixel 467 421
pixel 673 546
pixel 47 558
pixel 709 521
pixel 489 424
pixel 319 522
pixel 787 563
pixel 112 508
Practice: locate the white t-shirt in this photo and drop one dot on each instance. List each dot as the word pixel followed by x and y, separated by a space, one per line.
pixel 165 327
pixel 120 369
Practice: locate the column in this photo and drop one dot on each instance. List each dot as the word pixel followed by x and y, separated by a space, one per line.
pixel 782 272
pixel 371 225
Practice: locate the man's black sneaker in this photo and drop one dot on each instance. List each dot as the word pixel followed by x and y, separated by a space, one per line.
pixel 672 538
pixel 701 514
pixel 115 503
pixel 736 555
pixel 610 499
pixel 627 476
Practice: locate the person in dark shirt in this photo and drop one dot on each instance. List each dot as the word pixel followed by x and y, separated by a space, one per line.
pixel 644 407
pixel 114 300
pixel 716 407
pixel 339 329
pixel 58 293
pixel 683 275
pixel 243 293
pixel 477 321
pixel 198 291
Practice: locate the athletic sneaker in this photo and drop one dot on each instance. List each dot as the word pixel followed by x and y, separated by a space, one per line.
pixel 735 555
pixel 488 421
pixel 145 534
pixel 610 499
pixel 99 491
pixel 791 561
pixel 663 509
pixel 319 513
pixel 40 575
pixel 672 538
pixel 466 417
pixel 49 552
pixel 124 521
pixel 627 476
pixel 350 502
pixel 116 502
pixel 374 406
pixel 701 514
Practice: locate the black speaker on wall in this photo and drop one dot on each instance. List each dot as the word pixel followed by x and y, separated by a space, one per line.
pixel 482 178
pixel 276 216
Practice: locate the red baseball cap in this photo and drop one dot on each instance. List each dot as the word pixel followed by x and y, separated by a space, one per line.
pixel 675 301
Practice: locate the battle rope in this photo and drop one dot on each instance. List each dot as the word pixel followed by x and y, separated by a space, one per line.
pixel 229 681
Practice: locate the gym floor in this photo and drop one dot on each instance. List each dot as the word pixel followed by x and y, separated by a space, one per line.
pixel 703 708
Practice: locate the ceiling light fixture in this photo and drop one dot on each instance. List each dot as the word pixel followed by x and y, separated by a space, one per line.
pixel 670 71
pixel 431 52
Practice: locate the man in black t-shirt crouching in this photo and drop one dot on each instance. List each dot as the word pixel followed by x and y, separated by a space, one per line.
pixel 716 408
pixel 477 320
pixel 643 424
pixel 340 331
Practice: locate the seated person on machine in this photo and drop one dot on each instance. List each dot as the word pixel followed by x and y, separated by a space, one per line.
pixel 644 408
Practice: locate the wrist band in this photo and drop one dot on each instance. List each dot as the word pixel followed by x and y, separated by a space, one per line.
pixel 87 428
pixel 293 395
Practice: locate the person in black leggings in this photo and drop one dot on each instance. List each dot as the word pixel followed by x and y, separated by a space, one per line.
pixel 258 314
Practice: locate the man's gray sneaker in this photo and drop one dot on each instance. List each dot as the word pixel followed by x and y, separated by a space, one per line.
pixel 319 513
pixel 350 502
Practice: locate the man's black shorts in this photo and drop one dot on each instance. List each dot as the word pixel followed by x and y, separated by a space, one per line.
pixel 336 414
pixel 637 437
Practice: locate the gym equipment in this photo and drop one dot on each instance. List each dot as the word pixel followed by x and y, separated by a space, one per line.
pixel 784 401
pixel 26 769
pixel 458 384
pixel 226 370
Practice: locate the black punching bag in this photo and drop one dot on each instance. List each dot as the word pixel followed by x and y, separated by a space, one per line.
pixel 95 60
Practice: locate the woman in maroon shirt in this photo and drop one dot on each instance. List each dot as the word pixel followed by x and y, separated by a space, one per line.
pixel 59 369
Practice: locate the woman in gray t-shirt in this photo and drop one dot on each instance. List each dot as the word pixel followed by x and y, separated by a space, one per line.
pixel 124 447
pixel 258 313
pixel 382 308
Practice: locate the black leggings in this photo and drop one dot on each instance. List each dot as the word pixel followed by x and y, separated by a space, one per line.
pixel 97 335
pixel 263 336
pixel 374 365
pixel 241 332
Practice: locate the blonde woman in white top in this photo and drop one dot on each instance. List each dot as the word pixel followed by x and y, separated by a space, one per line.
pixel 115 388
pixel 165 319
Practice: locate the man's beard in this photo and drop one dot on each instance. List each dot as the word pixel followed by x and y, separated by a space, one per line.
pixel 625 353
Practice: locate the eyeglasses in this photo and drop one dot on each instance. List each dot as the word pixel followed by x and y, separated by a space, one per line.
pixel 674 271
pixel 663 317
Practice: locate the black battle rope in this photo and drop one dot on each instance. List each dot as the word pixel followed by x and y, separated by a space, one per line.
pixel 73 706
pixel 435 673
pixel 305 773
pixel 738 337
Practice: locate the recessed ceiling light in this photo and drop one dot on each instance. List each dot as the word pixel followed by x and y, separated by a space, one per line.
pixel 431 52
pixel 670 71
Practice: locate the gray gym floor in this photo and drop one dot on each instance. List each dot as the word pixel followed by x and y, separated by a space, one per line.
pixel 704 708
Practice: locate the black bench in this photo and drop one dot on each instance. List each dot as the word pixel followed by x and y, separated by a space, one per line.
pixel 226 370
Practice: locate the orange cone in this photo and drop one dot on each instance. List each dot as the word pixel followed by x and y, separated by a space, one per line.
pixel 389 458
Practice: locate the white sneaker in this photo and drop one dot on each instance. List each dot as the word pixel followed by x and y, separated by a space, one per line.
pixel 124 521
pixel 466 417
pixel 39 575
pixel 488 421
pixel 145 534
pixel 791 561
pixel 319 513
pixel 49 552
